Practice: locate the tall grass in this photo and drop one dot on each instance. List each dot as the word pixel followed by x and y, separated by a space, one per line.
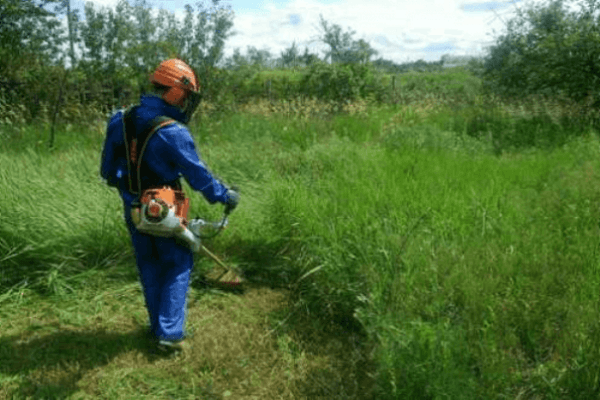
pixel 473 271
pixel 56 217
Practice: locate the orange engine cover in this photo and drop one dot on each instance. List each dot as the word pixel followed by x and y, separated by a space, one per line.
pixel 173 197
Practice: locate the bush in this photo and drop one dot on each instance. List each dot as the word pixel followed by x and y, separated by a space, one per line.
pixel 547 49
pixel 339 82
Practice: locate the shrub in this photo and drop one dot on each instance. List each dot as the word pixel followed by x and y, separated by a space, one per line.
pixel 339 82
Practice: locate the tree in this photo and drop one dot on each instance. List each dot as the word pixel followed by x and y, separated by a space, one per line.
pixel 386 65
pixel 342 48
pixel 119 36
pixel 144 56
pixel 17 15
pixel 93 36
pixel 72 18
pixel 290 57
pixel 549 49
pixel 30 53
pixel 237 60
pixel 118 47
pixel 169 41
pixel 449 60
pixel 260 58
pixel 361 52
pixel 308 58
pixel 337 82
pixel 338 41
pixel 29 32
pixel 221 23
pixel 202 39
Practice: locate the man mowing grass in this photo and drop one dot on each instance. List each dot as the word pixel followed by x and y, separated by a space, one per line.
pixel 146 151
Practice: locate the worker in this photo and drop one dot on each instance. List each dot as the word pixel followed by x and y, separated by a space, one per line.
pixel 150 146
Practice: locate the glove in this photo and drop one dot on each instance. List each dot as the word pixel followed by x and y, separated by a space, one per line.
pixel 233 198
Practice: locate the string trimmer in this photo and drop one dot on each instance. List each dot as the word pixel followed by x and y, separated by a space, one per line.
pixel 203 230
pixel 159 213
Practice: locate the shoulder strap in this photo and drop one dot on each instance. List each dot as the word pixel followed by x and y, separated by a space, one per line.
pixel 129 138
pixel 155 125
pixel 135 145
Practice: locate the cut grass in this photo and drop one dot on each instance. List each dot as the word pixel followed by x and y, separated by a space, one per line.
pixel 93 345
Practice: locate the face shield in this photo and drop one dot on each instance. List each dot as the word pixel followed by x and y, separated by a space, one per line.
pixel 192 102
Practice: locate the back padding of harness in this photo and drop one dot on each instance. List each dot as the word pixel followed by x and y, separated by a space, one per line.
pixel 135 146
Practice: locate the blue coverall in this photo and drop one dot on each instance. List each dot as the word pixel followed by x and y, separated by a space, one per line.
pixel 163 264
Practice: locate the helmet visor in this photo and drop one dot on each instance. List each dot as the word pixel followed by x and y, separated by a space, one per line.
pixel 192 101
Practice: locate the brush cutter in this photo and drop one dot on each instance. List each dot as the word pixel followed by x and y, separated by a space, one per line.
pixel 202 230
pixel 159 217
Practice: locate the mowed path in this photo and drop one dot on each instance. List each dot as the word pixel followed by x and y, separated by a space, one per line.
pixel 244 346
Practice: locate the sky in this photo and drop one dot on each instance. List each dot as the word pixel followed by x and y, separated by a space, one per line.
pixel 400 30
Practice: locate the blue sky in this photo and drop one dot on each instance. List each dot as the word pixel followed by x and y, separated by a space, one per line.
pixel 400 30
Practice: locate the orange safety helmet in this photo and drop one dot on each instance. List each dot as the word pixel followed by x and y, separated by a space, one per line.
pixel 182 83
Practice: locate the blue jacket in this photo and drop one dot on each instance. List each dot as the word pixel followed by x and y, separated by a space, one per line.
pixel 169 155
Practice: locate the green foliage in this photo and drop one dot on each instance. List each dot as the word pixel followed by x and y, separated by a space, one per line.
pixel 29 34
pixel 30 38
pixel 505 130
pixel 122 46
pixel 338 82
pixel 342 47
pixel 290 57
pixel 275 84
pixel 550 49
pixel 449 86
pixel 120 49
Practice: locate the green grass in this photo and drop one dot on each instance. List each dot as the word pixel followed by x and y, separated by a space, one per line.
pixel 469 268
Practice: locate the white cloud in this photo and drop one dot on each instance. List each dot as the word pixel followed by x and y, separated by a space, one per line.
pixel 400 30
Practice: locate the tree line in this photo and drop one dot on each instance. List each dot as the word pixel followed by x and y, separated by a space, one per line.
pixel 108 55
pixel 549 49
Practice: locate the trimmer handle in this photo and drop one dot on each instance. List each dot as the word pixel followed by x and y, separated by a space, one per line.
pixel 232 200
pixel 201 228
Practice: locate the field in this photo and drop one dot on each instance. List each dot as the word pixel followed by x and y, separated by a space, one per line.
pixel 410 251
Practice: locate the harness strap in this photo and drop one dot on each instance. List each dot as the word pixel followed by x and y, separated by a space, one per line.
pixel 135 145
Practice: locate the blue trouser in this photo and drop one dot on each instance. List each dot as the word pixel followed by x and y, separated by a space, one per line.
pixel 164 267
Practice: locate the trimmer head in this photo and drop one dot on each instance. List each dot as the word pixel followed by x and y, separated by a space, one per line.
pixel 226 280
